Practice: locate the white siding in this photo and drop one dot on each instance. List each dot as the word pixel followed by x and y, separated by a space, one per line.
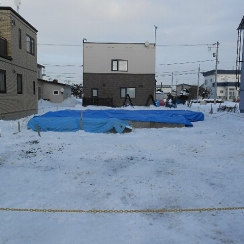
pixel 98 56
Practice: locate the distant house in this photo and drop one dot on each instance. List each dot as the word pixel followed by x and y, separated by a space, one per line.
pixel 113 70
pixel 18 62
pixel 226 83
pixel 51 90
pixel 162 91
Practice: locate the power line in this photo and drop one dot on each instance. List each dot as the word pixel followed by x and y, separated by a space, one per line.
pixel 158 45
pixel 66 45
pixel 190 62
pixel 184 45
pixel 63 65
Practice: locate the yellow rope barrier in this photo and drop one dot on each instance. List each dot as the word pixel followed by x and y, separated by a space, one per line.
pixel 121 211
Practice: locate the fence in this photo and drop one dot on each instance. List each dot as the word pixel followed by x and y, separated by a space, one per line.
pixel 98 101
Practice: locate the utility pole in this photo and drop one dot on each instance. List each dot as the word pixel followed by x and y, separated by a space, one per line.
pixel 155 33
pixel 172 82
pixel 198 82
pixel 241 105
pixel 216 70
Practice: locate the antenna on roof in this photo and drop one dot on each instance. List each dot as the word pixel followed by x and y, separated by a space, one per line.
pixel 17 3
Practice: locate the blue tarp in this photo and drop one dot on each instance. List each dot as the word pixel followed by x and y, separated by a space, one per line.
pixel 162 116
pixel 64 120
pixel 105 120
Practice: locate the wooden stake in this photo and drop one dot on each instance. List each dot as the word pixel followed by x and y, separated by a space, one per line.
pixel 38 131
pixel 18 126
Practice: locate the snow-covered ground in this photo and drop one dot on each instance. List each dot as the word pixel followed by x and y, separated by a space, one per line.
pixel 167 168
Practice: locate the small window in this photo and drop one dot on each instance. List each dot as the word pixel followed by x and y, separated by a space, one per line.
pixel 19 84
pixel 221 91
pixel 94 92
pixel 55 92
pixel 120 65
pixel 34 88
pixel 131 91
pixel 3 88
pixel 20 39
pixel 30 45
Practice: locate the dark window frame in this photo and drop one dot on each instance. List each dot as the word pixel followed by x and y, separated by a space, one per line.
pixel 19 84
pixel 20 39
pixel 117 61
pixel 4 90
pixel 94 89
pixel 127 92
pixel 34 88
pixel 30 45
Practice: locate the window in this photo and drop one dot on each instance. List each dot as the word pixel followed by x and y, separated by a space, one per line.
pixel 55 92
pixel 120 65
pixel 30 47
pixel 128 90
pixel 34 88
pixel 221 91
pixel 3 88
pixel 20 42
pixel 94 92
pixel 19 84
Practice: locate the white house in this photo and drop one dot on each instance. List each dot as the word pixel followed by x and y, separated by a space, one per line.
pixel 226 84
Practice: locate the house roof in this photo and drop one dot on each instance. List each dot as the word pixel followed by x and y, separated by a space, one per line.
pixel 241 25
pixel 114 43
pixel 221 72
pixel 19 16
pixel 40 66
pixel 53 83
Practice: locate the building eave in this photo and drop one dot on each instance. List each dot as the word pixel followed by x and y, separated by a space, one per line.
pixel 19 16
pixel 221 72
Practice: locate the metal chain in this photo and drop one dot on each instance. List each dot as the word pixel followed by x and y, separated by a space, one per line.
pixel 121 211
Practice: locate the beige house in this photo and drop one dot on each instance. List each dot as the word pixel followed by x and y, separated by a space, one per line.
pixel 113 70
pixel 18 62
pixel 51 90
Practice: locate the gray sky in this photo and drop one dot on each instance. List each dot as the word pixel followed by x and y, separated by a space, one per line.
pixel 183 28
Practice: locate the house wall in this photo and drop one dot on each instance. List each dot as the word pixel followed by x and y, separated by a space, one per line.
pixel 46 91
pixel 109 85
pixel 98 74
pixel 13 105
pixel 226 88
pixel 98 56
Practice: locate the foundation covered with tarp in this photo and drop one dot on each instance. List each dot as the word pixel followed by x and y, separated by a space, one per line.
pixel 101 121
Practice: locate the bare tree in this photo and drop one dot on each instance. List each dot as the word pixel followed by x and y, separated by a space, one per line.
pixel 206 92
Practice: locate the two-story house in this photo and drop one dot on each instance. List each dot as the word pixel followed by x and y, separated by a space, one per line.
pixel 18 66
pixel 113 70
pixel 226 83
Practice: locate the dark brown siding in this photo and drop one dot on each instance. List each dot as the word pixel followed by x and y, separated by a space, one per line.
pixel 109 85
